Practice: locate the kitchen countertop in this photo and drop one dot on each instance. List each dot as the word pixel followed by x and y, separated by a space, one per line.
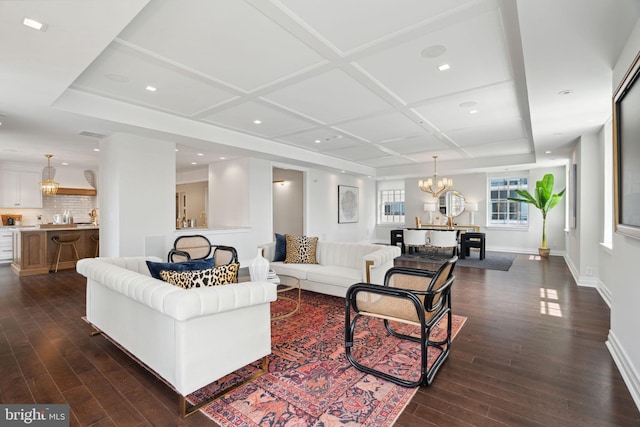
pixel 212 230
pixel 37 228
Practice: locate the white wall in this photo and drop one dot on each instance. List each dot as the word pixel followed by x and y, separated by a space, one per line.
pixel 604 273
pixel 241 197
pixel 321 206
pixel 136 197
pixel 623 271
pixel 195 175
pixel 288 202
pixel 583 240
pixel 229 193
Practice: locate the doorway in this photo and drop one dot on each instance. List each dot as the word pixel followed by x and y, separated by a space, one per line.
pixel 288 201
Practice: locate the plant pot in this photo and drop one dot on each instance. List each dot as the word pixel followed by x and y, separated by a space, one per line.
pixel 544 252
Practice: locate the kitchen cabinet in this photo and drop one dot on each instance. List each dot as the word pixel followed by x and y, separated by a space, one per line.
pixel 20 189
pixel 29 253
pixel 6 250
pixel 34 249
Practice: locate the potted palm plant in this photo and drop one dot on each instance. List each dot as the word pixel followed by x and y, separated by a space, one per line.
pixel 543 199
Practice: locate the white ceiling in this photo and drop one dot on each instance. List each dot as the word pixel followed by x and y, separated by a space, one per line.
pixel 348 86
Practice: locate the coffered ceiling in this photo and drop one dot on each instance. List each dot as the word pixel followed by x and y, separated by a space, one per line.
pixel 346 85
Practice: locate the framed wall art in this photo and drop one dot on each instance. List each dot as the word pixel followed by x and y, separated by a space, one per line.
pixel 348 206
pixel 626 153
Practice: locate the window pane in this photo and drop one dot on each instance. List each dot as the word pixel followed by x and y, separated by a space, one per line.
pixel 503 211
pixel 391 206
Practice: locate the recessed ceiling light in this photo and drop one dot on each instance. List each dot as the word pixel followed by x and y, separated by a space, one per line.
pixel 257 122
pixel 565 92
pixel 317 141
pixel 96 149
pixel 223 158
pixel 65 164
pixel 433 51
pixel 547 152
pixel 473 111
pixel 177 150
pixel 32 23
pixel 151 88
pixel 193 163
pixel 200 154
pixel 443 67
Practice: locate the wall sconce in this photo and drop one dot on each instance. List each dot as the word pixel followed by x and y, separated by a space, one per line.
pixel 279 181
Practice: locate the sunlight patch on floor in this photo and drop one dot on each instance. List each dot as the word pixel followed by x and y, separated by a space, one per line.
pixel 549 307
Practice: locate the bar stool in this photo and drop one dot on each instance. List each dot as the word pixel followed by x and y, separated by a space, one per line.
pixel 60 242
pixel 96 239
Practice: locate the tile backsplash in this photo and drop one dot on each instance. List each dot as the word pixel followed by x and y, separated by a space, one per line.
pixel 78 206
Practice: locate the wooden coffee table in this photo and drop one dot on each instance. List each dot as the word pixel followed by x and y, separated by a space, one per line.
pixel 288 283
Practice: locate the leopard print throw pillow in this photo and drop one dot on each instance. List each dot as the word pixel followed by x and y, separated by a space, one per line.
pixel 301 249
pixel 221 275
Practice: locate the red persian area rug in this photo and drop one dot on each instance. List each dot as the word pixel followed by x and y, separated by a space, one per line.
pixel 310 382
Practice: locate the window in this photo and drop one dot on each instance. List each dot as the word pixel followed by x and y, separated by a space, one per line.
pixel 503 211
pixel 391 207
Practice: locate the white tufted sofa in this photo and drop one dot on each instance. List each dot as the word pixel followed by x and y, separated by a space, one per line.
pixel 190 338
pixel 340 265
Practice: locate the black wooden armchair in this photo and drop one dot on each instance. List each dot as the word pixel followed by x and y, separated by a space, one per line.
pixel 197 246
pixel 408 296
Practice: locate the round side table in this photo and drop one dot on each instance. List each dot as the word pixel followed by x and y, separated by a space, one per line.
pixel 288 283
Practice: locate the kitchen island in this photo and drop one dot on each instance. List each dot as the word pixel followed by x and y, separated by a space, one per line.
pixel 34 250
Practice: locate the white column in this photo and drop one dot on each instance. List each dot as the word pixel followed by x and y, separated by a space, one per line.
pixel 240 197
pixel 136 194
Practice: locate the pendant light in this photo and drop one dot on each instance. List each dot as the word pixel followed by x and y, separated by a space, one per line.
pixel 49 187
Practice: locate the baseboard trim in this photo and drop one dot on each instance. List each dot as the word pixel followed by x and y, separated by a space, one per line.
pixel 586 281
pixel 626 368
pixel 605 293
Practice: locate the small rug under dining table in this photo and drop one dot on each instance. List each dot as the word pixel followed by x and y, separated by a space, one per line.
pixel 493 260
pixel 310 382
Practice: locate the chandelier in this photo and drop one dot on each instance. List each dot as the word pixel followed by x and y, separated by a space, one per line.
pixel 49 186
pixel 441 185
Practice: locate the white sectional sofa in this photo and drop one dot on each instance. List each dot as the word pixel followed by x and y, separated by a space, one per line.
pixel 190 338
pixel 340 265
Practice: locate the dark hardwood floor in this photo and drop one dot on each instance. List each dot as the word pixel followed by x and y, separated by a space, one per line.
pixel 531 353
